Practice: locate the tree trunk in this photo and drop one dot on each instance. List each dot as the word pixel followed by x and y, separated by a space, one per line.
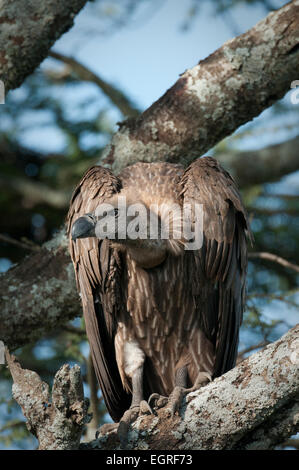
pixel 38 295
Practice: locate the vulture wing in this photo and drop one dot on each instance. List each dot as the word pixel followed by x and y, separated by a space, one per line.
pixel 97 270
pixel 218 269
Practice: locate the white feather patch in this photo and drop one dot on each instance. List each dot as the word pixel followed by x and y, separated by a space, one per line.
pixel 133 357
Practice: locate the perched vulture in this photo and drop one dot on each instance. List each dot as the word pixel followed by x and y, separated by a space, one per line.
pixel 160 318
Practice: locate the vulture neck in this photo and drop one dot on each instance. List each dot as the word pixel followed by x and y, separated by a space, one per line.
pixel 146 253
pixel 149 251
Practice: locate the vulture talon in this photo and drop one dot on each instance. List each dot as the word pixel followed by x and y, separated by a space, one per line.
pixel 129 418
pixel 157 401
pixel 175 400
pixel 145 408
pixel 179 392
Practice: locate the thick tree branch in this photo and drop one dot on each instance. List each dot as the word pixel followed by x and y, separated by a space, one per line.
pixel 57 422
pixel 38 295
pixel 211 100
pixel 253 406
pixel 28 30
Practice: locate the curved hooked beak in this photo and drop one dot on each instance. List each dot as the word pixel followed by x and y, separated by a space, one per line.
pixel 84 227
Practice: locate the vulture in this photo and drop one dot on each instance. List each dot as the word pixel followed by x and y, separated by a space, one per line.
pixel 162 316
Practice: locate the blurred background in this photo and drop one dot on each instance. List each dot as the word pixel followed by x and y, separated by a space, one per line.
pixel 119 58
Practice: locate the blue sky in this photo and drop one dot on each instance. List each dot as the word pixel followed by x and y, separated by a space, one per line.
pixel 144 58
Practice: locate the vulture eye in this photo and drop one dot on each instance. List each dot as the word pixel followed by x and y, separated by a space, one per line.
pixel 91 216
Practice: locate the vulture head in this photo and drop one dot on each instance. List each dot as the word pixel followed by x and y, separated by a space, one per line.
pixel 147 232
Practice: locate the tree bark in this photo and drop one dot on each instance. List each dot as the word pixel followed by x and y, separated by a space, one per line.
pixel 253 406
pixel 58 422
pixel 38 295
pixel 211 100
pixel 28 30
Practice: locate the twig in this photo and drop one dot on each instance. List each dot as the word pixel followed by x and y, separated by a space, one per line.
pixel 275 259
pixel 14 423
pixel 291 197
pixel 269 212
pixel 12 241
pixel 119 99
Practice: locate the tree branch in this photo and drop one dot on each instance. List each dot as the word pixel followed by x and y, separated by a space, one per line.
pixel 211 100
pixel 256 167
pixel 21 51
pixel 38 295
pixel 20 244
pixel 291 443
pixel 36 192
pixel 57 423
pixel 118 98
pixel 275 259
pixel 263 165
pixel 251 348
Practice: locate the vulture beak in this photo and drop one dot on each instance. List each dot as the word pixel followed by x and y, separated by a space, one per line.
pixel 84 227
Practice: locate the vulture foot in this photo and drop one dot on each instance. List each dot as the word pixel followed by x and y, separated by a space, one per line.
pixel 175 400
pixel 179 393
pixel 128 418
pixel 124 425
pixel 171 403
